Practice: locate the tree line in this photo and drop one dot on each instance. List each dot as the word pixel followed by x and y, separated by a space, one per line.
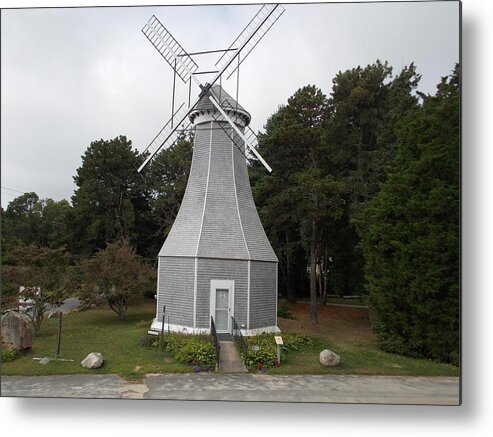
pixel 363 200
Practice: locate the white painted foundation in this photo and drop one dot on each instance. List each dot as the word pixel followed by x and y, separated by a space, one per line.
pixel 156 326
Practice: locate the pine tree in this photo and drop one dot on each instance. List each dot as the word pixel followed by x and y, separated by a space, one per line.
pixel 411 242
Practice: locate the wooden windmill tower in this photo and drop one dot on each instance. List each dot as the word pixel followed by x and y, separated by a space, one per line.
pixel 216 263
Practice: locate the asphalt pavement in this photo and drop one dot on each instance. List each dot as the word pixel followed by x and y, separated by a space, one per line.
pixel 243 387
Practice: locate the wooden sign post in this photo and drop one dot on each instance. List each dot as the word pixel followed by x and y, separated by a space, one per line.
pixel 59 336
pixel 279 343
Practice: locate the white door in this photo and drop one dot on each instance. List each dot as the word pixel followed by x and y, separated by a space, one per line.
pixel 222 316
pixel 222 304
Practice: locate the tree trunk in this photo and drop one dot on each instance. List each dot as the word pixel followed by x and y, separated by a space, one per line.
pixel 290 281
pixel 290 286
pixel 326 277
pixel 313 273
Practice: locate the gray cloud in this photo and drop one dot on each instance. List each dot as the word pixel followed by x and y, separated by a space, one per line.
pixel 72 76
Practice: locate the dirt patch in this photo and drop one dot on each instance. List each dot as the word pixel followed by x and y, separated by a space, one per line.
pixel 332 311
pixel 337 321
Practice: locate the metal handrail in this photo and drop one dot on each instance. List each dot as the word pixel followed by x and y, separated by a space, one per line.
pixel 239 340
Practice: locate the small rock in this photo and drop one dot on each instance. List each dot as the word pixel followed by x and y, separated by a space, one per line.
pixel 92 361
pixel 44 361
pixel 329 358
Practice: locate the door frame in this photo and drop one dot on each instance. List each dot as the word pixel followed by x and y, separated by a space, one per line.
pixel 230 285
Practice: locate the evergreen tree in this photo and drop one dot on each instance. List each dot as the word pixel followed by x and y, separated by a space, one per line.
pixel 303 197
pixel 364 107
pixel 411 238
pixel 31 220
pixel 111 201
pixel 276 204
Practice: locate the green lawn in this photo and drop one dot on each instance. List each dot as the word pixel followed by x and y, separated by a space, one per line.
pixel 344 330
pixel 97 330
pixel 347 332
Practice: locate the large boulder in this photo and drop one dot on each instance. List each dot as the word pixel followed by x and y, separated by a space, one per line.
pixel 92 361
pixel 329 358
pixel 16 331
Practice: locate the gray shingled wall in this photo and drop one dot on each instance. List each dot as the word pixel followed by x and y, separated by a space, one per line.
pixel 229 204
pixel 263 294
pixel 176 278
pixel 183 237
pixel 221 269
pixel 258 243
pixel 222 235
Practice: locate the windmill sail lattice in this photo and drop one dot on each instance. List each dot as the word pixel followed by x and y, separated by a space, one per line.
pixel 168 134
pixel 254 31
pixel 170 49
pixel 216 262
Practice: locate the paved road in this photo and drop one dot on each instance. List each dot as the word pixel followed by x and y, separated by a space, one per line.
pixel 243 387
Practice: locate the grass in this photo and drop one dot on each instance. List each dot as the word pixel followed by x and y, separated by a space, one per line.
pixel 344 330
pixel 97 330
pixel 347 332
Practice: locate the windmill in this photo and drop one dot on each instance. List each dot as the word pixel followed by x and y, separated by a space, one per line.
pixel 216 263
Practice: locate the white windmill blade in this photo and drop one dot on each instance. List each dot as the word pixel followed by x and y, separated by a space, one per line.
pixel 249 37
pixel 169 133
pixel 170 49
pixel 238 131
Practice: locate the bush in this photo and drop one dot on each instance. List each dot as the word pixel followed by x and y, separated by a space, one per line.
pixel 9 355
pixel 266 355
pixel 284 312
pixel 197 353
pixel 196 350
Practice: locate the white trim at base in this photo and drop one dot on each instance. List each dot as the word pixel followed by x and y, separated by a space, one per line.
pixel 156 326
pixel 257 331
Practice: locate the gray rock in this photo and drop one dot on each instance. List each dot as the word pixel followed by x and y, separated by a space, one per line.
pixel 92 361
pixel 329 358
pixel 16 331
pixel 44 361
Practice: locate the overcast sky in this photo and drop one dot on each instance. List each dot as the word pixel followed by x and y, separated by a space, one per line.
pixel 72 76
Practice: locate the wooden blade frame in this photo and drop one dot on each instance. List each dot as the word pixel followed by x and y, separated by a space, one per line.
pixel 170 49
pixel 185 67
pixel 249 37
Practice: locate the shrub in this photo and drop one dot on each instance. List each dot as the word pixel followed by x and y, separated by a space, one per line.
pixel 284 312
pixel 266 355
pixel 196 350
pixel 9 355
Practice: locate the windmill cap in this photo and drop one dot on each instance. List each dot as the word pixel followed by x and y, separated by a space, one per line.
pixel 228 104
